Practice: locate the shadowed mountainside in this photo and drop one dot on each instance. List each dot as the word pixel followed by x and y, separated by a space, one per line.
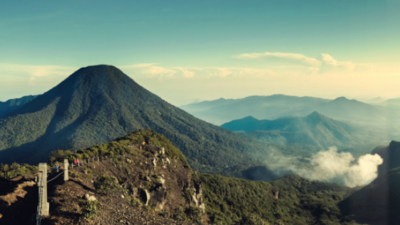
pixel 379 202
pixel 11 105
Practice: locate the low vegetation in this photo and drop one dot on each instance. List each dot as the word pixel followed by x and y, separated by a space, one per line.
pixel 289 200
pixel 88 208
pixel 15 169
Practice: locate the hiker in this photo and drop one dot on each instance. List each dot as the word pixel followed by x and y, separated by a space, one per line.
pixel 57 167
pixel 77 161
pixel 61 168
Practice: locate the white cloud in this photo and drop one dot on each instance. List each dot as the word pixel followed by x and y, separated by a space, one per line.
pixel 341 167
pixel 141 65
pixel 152 70
pixel 158 71
pixel 323 64
pixel 36 71
pixel 331 64
pixel 186 72
pixel 280 55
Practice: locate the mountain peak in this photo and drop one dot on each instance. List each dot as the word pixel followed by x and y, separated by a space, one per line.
pixel 315 115
pixel 98 73
pixel 341 99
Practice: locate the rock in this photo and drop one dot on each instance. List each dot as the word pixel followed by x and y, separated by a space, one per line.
pixel 166 161
pixel 162 151
pixel 197 197
pixel 155 162
pixel 162 180
pixel 145 196
pixel 276 195
pixel 122 196
pixel 128 160
pixel 134 191
pixel 90 198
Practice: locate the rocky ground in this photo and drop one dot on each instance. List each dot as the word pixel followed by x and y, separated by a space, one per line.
pixel 111 209
pixel 144 186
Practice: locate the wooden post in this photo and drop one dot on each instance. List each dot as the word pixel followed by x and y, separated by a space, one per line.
pixel 43 207
pixel 66 164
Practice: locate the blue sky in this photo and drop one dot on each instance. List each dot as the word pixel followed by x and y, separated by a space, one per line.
pixel 196 50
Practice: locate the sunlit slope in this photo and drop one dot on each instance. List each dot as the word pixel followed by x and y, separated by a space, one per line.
pixel 99 103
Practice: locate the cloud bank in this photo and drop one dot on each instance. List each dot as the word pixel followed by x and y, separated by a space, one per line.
pixel 329 166
pixel 342 168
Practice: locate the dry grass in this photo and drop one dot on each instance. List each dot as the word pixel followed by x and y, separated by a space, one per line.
pixel 18 192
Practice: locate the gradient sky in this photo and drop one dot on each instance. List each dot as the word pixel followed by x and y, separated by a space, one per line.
pixel 200 50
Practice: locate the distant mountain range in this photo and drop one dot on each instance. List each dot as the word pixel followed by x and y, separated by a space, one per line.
pixel 314 129
pixel 11 105
pixel 275 106
pixel 97 104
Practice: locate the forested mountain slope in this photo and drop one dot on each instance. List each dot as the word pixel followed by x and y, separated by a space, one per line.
pixel 13 104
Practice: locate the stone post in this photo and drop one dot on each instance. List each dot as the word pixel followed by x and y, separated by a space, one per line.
pixel 66 164
pixel 43 207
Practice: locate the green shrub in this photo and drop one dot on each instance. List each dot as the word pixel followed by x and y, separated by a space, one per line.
pixel 164 214
pixel 194 214
pixel 89 209
pixel 188 193
pixel 74 173
pixel 15 169
pixel 106 184
pixel 148 208
pixel 179 214
pixel 135 202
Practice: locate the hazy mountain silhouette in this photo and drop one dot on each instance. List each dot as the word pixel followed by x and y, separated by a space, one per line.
pixel 275 106
pixel 314 129
pixel 13 104
pixel 263 107
pixel 97 104
pixel 393 101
